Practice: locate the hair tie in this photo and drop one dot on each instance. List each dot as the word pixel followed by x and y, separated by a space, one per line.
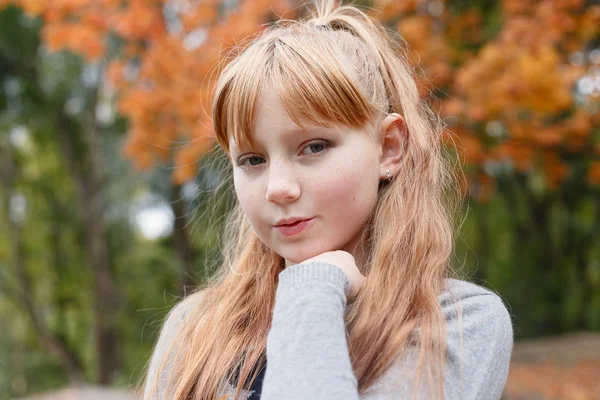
pixel 319 24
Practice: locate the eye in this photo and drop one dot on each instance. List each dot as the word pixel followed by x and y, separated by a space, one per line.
pixel 316 147
pixel 253 161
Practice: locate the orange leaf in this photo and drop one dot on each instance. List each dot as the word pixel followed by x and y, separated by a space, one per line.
pixel 593 174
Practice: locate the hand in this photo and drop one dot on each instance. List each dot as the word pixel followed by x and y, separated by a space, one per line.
pixel 344 261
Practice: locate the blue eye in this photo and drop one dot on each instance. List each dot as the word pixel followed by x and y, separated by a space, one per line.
pixel 256 160
pixel 317 147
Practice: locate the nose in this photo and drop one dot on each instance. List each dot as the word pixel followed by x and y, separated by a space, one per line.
pixel 283 185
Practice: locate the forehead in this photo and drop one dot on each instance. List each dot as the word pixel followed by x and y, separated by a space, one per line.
pixel 272 118
pixel 272 114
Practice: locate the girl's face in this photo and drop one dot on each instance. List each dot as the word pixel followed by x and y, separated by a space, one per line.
pixel 329 176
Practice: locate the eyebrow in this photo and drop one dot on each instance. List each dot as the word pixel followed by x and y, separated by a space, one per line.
pixel 313 129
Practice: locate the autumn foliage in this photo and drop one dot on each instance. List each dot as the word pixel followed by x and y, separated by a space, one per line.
pixel 507 88
pixel 511 94
pixel 161 57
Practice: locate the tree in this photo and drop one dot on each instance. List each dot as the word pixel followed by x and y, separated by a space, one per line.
pixel 78 138
pixel 113 40
pixel 512 79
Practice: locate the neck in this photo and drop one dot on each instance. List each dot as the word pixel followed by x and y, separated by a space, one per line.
pixel 355 248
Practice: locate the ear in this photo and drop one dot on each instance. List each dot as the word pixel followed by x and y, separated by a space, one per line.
pixel 393 140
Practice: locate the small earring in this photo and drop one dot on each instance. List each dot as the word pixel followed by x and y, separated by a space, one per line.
pixel 389 175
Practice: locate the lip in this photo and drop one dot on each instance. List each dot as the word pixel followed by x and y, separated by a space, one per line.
pixel 295 228
pixel 290 221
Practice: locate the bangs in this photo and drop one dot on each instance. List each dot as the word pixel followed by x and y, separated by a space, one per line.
pixel 307 75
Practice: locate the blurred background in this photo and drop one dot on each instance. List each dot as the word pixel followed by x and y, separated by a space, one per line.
pixel 106 159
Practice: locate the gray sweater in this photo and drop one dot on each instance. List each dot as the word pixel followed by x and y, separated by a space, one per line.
pixel 307 350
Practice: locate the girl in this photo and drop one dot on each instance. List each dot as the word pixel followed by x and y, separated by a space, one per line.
pixel 335 281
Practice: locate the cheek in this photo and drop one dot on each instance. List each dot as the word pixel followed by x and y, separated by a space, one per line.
pixel 247 197
pixel 349 189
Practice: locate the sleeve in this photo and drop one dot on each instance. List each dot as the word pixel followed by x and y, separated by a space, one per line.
pixel 155 385
pixel 307 353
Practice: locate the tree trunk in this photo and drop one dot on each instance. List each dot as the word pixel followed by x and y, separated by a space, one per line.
pixel 85 164
pixel 50 342
pixel 88 176
pixel 185 251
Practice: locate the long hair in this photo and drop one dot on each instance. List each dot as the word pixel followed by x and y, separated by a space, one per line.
pixel 336 66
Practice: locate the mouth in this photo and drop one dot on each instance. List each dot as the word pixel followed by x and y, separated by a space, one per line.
pixel 290 221
pixel 294 228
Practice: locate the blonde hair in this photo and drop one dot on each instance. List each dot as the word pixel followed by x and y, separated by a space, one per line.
pixel 337 66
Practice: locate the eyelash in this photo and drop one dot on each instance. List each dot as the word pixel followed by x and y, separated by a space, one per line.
pixel 242 160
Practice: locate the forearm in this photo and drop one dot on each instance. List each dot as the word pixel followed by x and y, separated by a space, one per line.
pixel 307 351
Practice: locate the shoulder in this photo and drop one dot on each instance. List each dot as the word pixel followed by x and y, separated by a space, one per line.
pixel 178 313
pixel 176 317
pixel 158 372
pixel 479 339
pixel 469 303
pixel 463 288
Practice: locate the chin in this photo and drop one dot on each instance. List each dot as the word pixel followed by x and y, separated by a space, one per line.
pixel 299 255
pixel 295 258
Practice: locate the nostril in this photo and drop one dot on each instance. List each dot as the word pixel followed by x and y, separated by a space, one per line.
pixel 282 192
